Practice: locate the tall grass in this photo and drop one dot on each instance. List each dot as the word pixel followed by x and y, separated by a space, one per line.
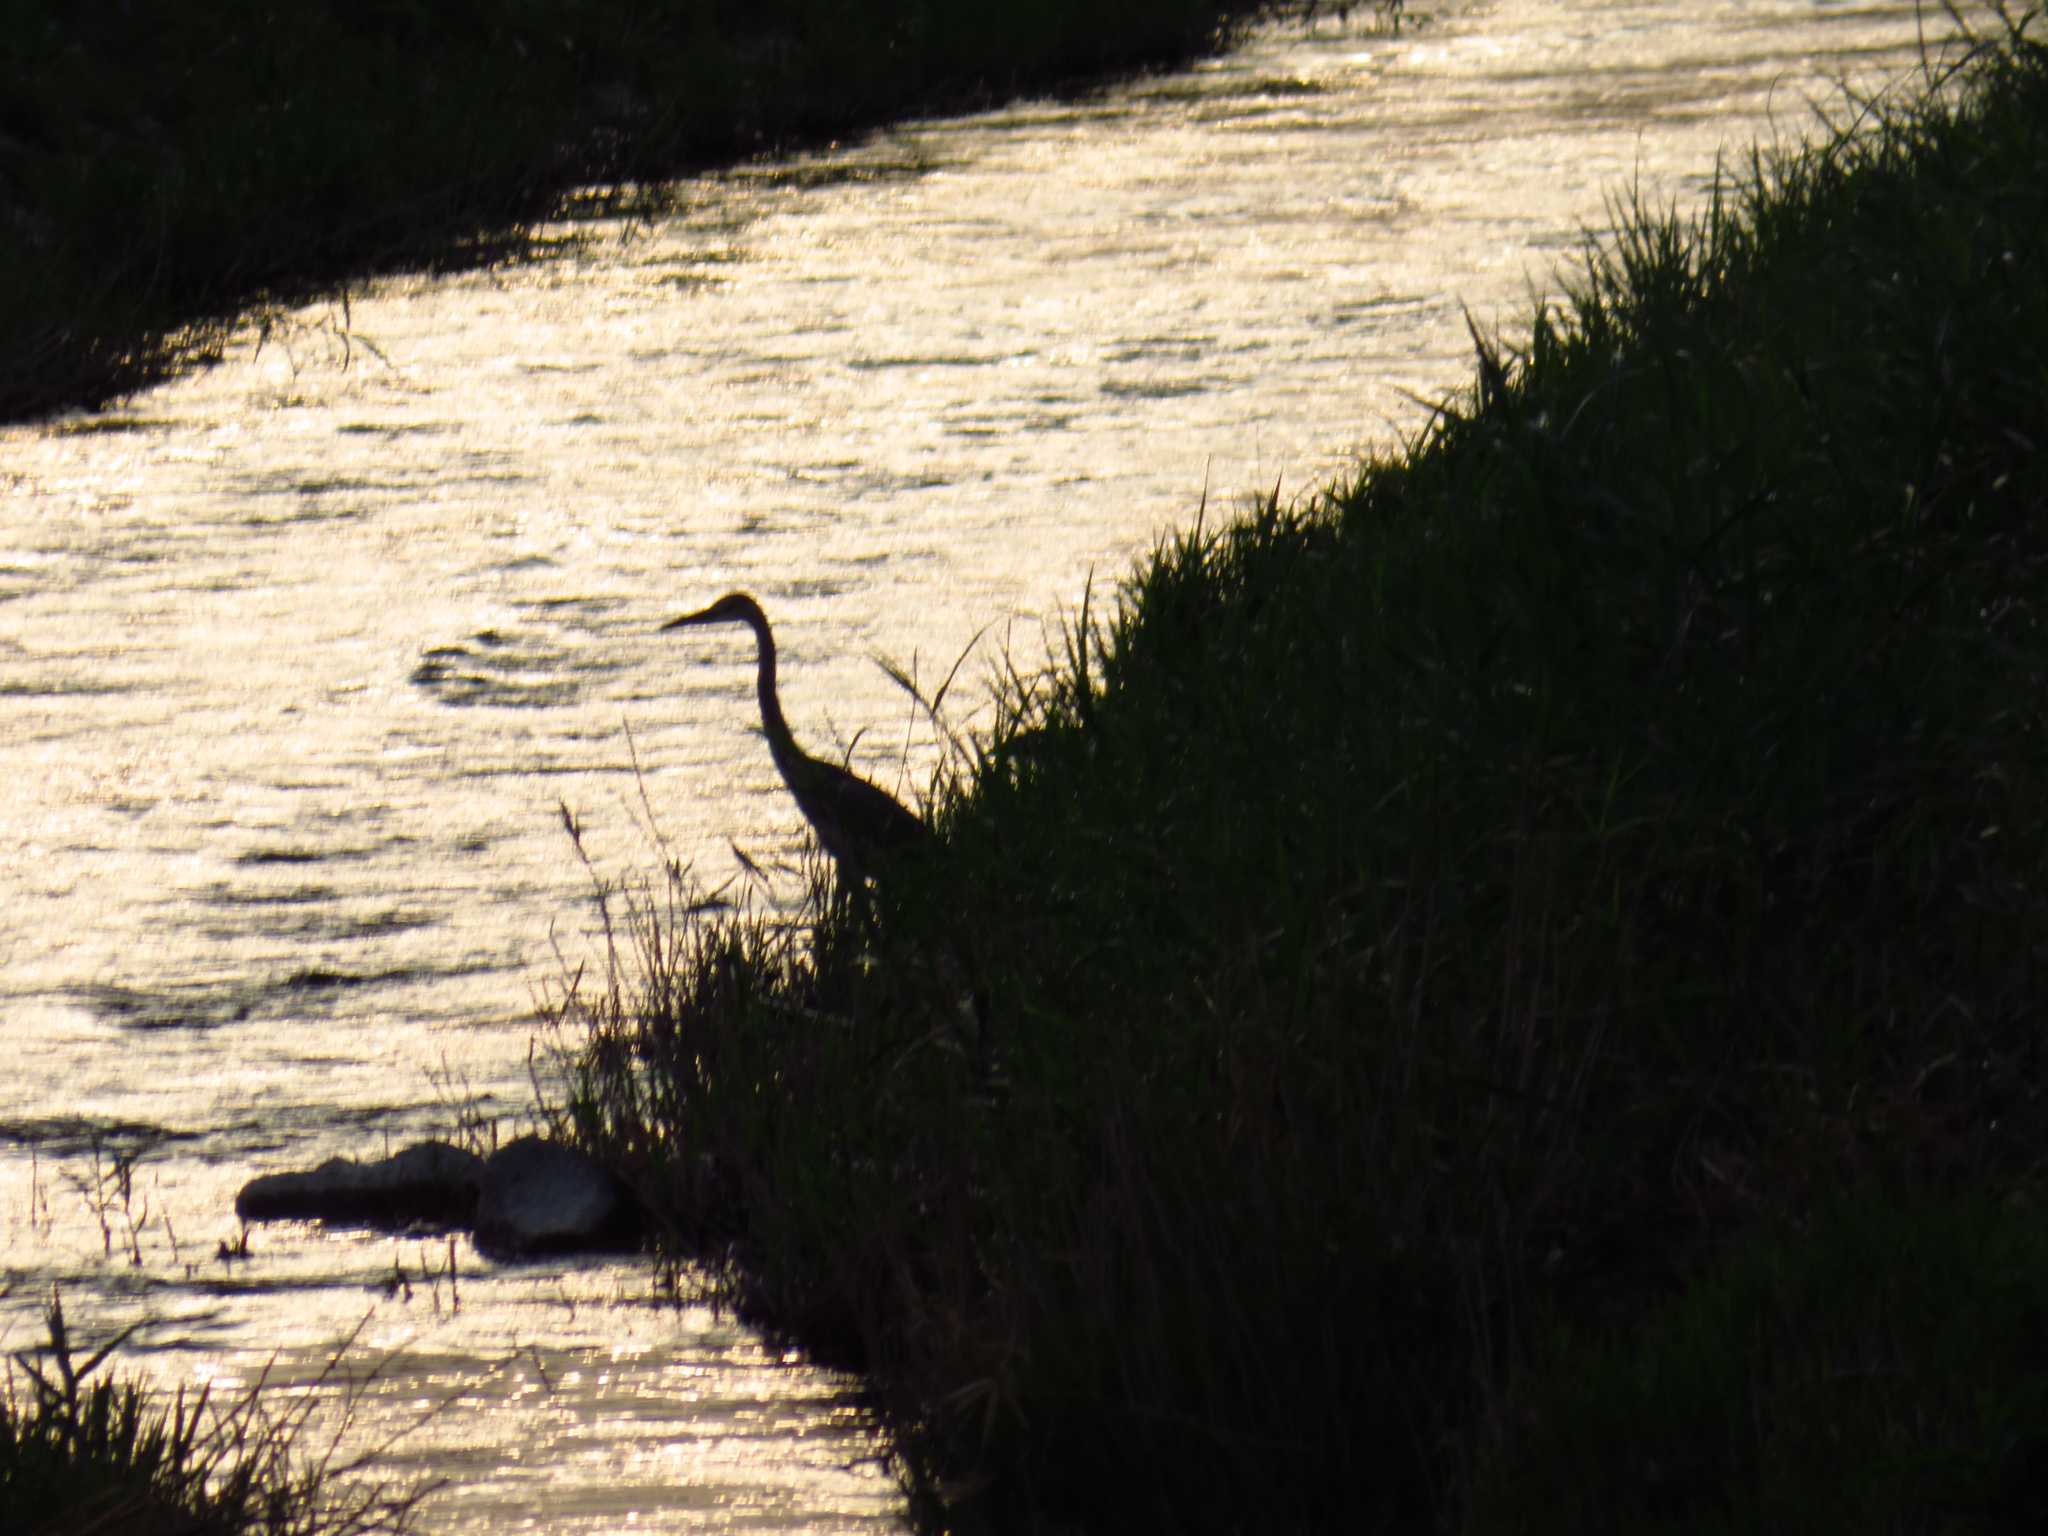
pixel 1879 1368
pixel 1432 930
pixel 84 1453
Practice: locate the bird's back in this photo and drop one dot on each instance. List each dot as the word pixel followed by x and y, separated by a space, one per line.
pixel 860 825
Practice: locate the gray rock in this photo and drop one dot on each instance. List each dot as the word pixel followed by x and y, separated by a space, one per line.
pixel 539 1197
pixel 431 1182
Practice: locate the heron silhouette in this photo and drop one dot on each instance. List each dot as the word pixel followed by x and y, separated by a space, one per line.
pixel 864 828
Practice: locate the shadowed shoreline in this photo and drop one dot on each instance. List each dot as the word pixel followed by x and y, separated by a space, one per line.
pixel 162 177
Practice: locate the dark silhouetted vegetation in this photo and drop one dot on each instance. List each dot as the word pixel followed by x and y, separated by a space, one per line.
pixel 1515 988
pixel 83 1452
pixel 163 169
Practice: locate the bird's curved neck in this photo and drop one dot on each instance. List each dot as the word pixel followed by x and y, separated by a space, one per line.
pixel 780 742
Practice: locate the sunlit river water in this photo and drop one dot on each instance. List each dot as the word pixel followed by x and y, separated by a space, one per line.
pixel 298 656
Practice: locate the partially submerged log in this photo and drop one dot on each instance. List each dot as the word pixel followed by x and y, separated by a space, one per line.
pixel 431 1183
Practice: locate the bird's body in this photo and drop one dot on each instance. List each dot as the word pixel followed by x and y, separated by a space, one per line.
pixel 862 827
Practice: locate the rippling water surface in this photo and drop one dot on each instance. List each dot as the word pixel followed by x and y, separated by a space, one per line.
pixel 299 657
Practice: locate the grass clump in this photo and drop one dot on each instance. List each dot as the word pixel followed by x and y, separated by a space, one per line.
pixel 83 1452
pixel 1878 1368
pixel 1570 897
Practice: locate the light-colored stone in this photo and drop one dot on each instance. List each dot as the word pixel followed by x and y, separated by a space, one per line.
pixel 539 1197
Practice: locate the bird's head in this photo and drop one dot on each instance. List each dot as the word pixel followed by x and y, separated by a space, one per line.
pixel 733 608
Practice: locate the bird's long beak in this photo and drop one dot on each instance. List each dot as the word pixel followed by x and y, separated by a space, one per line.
pixel 688 618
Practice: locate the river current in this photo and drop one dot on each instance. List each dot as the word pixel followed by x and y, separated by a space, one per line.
pixel 302 656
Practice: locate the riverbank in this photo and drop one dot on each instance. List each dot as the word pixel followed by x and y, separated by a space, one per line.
pixel 1512 991
pixel 159 180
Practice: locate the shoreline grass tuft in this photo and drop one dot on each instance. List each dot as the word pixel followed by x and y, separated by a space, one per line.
pixel 81 1451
